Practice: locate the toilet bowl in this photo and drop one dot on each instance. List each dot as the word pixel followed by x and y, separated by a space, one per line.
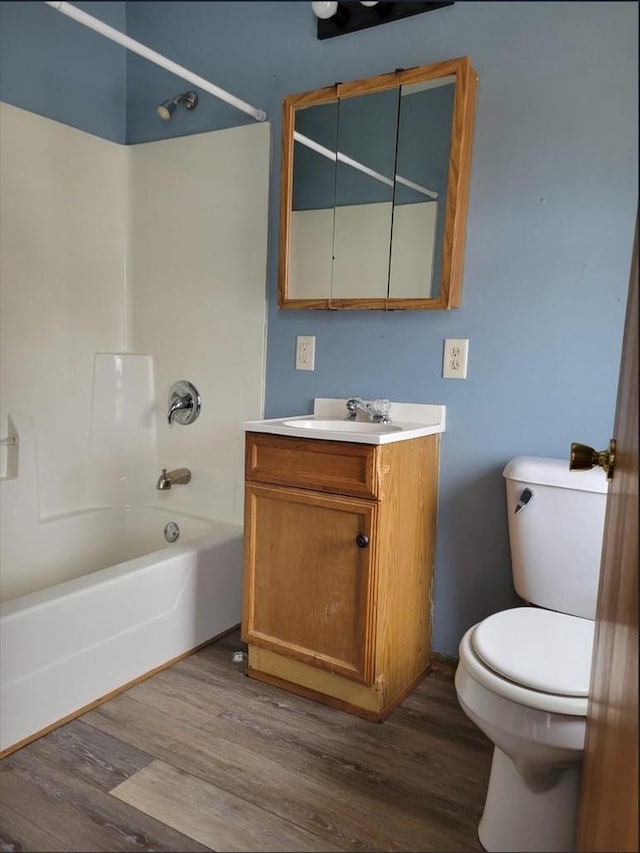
pixel 513 696
pixel 523 674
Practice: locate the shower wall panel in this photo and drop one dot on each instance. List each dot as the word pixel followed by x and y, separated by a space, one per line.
pixel 123 269
pixel 198 293
pixel 62 218
pixel 122 459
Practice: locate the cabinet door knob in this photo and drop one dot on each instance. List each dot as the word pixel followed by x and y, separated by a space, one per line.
pixel 361 540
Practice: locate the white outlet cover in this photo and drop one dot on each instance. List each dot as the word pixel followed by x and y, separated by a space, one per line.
pixel 455 357
pixel 305 352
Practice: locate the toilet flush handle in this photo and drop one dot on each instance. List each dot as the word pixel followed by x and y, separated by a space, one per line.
pixel 523 500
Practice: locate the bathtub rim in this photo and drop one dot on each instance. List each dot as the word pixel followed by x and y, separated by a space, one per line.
pixel 224 537
pixel 110 574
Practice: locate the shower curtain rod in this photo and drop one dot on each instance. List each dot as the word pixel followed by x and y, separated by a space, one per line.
pixel 157 58
pixel 343 158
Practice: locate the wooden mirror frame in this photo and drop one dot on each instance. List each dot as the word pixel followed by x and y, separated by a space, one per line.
pixel 450 285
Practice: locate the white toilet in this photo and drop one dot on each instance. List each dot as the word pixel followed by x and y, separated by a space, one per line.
pixel 523 675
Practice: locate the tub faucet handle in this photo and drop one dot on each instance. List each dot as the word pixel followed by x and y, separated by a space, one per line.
pixel 184 403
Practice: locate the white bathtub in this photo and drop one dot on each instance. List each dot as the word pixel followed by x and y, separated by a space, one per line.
pixel 67 646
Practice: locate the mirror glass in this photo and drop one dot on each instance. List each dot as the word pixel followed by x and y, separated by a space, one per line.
pixel 374 190
pixel 364 194
pixel 313 201
pixel 420 189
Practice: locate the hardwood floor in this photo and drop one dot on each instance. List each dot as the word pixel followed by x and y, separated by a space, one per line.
pixel 199 757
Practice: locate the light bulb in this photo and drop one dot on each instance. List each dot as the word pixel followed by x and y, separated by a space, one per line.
pixel 324 8
pixel 368 2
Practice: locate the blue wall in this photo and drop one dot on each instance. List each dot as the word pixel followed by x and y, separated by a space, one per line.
pixel 552 210
pixel 54 67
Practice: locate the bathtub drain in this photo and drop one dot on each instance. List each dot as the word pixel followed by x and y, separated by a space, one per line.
pixel 171 531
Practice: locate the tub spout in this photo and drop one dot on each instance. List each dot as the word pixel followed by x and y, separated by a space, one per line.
pixel 172 478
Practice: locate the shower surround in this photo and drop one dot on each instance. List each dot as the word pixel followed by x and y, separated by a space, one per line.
pixel 124 268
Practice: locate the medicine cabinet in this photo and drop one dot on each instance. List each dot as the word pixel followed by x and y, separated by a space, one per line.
pixel 374 189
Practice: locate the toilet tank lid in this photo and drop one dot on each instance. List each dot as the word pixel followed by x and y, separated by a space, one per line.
pixel 543 471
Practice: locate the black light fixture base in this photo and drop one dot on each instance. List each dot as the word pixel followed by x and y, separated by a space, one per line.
pixel 352 16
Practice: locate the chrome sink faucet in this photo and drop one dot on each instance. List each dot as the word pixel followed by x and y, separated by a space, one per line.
pixel 376 411
pixel 173 478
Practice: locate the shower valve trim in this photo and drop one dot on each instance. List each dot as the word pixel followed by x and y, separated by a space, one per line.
pixel 184 403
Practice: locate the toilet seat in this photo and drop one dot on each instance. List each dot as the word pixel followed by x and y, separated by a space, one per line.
pixel 555 703
pixel 539 649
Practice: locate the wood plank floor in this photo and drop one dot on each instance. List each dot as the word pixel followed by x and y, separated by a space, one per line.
pixel 199 757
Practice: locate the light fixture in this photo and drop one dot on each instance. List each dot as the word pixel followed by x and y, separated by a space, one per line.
pixel 324 9
pixel 168 107
pixel 336 19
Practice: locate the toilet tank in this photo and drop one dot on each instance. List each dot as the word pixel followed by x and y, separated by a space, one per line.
pixel 556 527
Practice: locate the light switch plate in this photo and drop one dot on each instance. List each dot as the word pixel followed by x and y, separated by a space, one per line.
pixel 305 352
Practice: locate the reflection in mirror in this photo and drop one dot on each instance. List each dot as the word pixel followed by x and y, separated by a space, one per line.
pixel 420 196
pixel 364 196
pixel 313 200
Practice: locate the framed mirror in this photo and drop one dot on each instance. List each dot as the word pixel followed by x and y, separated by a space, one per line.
pixel 374 187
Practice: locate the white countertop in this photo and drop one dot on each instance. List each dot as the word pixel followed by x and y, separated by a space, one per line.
pixel 328 422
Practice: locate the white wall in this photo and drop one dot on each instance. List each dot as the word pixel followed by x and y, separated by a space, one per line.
pixel 158 249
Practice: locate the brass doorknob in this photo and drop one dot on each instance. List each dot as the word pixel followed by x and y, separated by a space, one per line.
pixel 583 457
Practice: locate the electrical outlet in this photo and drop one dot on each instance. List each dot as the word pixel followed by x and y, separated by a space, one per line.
pixel 305 352
pixel 454 362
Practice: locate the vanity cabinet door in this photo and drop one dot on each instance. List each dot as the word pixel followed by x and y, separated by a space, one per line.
pixel 309 578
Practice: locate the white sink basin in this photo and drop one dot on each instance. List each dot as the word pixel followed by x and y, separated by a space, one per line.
pixel 342 425
pixel 328 422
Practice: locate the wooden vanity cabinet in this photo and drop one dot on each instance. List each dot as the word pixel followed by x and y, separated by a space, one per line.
pixel 338 567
